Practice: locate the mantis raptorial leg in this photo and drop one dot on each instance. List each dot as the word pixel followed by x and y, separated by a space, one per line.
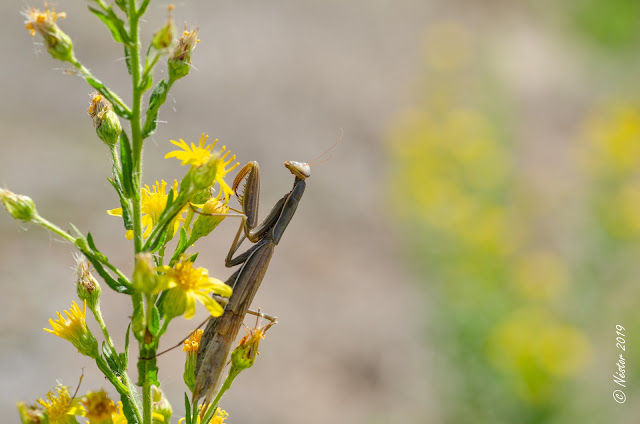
pixel 221 332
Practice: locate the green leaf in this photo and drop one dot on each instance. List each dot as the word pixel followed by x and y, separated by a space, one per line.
pixel 154 325
pixel 127 169
pixel 147 83
pixel 157 98
pixel 160 302
pixel 112 359
pixel 181 247
pixel 193 257
pixel 122 4
pixel 127 58
pixel 187 408
pixel 115 24
pixel 128 410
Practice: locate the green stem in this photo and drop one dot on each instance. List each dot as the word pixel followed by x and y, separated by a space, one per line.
pixel 136 159
pixel 119 105
pixel 127 392
pixel 136 133
pixel 92 256
pixel 225 386
pixel 97 313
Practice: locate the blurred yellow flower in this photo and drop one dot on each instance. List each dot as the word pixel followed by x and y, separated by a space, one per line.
pixel 218 418
pixel 535 347
pixel 60 407
pixel 99 408
pixel 540 274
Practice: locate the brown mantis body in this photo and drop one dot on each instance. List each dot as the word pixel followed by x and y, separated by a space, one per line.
pixel 221 332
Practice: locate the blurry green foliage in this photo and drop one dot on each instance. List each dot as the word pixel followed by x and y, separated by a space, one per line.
pixel 612 24
pixel 510 288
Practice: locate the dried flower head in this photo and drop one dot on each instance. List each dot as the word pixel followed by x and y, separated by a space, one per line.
pixel 180 59
pixel 105 120
pixel 87 286
pixel 44 24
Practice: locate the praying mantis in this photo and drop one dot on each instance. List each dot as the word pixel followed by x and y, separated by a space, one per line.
pixel 221 332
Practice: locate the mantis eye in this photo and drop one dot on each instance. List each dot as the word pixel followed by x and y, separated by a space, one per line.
pixel 299 169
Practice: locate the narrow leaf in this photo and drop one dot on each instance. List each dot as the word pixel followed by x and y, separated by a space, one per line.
pixel 127 170
pixel 187 408
pixel 157 98
pixel 154 325
pixel 115 24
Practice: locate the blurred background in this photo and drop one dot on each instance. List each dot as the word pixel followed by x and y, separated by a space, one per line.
pixel 466 254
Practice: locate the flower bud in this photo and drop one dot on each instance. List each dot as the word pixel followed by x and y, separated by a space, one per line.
pixel 87 286
pixel 19 206
pixel 204 176
pixel 145 279
pixel 105 120
pixel 191 346
pixel 180 60
pixel 58 43
pixel 164 37
pixel 206 222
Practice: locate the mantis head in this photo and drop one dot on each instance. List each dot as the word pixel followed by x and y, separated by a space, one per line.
pixel 299 169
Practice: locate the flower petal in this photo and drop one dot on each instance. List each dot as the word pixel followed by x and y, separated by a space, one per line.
pixel 212 306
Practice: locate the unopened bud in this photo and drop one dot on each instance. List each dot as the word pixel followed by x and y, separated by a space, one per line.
pixel 105 120
pixel 87 286
pixel 19 206
pixel 204 176
pixel 210 216
pixel 164 37
pixel 180 60
pixel 58 43
pixel 145 278
pixel 244 355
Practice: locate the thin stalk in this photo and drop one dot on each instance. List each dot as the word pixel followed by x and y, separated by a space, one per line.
pixel 97 313
pixel 136 147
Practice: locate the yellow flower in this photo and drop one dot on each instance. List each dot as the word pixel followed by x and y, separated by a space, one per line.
pixel 118 416
pixel 60 407
pixel 191 346
pixel 188 284
pixel 193 342
pixel 218 417
pixel 99 408
pixel 154 201
pixel 199 155
pixel 74 329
